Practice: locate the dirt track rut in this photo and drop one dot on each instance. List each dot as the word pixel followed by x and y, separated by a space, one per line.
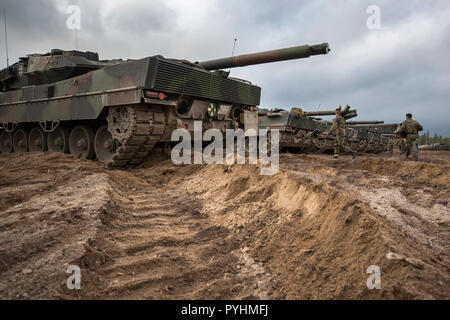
pixel 166 248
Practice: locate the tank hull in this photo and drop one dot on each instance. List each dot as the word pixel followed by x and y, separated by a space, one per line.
pixel 85 97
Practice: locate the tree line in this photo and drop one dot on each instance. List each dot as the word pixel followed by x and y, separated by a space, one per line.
pixel 426 139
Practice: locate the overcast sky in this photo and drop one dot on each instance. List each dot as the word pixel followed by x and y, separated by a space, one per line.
pixel 403 67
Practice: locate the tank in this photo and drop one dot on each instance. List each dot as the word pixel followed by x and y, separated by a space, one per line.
pixel 297 131
pixel 116 110
pixel 300 131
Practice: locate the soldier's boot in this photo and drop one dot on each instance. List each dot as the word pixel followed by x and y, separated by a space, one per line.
pixel 407 152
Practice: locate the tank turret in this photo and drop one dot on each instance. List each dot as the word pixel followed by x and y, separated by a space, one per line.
pixel 56 65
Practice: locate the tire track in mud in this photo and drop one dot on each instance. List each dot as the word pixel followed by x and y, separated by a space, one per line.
pixel 133 238
pixel 167 249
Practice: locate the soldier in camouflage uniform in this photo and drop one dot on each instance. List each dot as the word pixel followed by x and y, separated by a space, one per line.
pixel 298 112
pixel 339 142
pixel 410 129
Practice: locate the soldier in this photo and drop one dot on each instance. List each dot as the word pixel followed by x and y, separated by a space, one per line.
pixel 339 142
pixel 410 128
pixel 298 112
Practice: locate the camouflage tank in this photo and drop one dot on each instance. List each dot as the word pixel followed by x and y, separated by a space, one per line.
pixel 115 110
pixel 303 130
pixel 300 129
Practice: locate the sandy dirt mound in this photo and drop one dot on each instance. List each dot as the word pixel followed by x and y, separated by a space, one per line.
pixel 432 174
pixel 52 227
pixel 208 232
pixel 318 240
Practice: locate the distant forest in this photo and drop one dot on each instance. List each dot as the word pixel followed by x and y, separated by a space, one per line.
pixel 426 139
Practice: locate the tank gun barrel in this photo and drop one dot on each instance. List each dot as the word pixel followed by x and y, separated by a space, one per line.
pixel 298 52
pixel 382 125
pixel 328 113
pixel 364 122
pixel 319 113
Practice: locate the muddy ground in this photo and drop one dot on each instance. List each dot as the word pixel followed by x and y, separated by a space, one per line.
pixel 162 231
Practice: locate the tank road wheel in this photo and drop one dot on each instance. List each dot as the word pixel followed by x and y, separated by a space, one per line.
pixel 81 142
pixel 37 140
pixel 6 142
pixel 104 144
pixel 58 140
pixel 20 140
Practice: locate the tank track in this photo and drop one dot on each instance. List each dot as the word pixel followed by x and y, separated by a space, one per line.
pixel 147 127
pixel 319 143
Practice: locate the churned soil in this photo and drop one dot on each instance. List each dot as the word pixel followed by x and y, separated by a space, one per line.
pixel 162 231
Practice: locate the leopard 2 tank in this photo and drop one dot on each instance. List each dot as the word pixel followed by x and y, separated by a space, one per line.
pixel 116 110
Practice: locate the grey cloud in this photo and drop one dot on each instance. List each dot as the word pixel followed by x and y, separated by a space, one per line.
pixel 143 18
